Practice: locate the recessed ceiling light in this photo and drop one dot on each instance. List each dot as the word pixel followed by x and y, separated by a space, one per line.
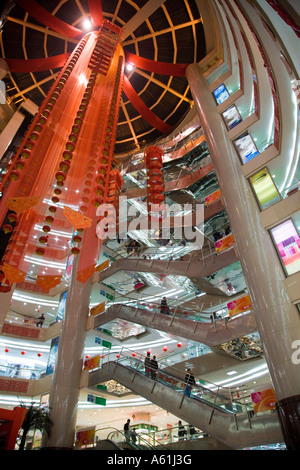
pixel 231 372
pixel 87 24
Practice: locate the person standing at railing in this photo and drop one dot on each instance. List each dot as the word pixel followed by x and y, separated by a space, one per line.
pixel 181 431
pixel 164 308
pixel 147 363
pixel 189 382
pixel 154 367
pixel 40 321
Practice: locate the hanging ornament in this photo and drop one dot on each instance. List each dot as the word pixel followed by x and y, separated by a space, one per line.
pixel 165 348
pixel 7 228
pixel 179 345
pixel 75 250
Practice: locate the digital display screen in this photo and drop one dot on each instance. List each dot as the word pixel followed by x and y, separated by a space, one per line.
pixel 288 245
pixel 221 94
pixel 245 147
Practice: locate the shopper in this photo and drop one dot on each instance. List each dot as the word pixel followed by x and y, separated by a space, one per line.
pixel 181 431
pixel 133 436
pixel 154 367
pixel 127 431
pixel 189 382
pixel 41 320
pixel 148 365
pixel 164 308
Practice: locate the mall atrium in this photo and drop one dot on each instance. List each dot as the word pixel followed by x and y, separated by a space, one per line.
pixel 150 149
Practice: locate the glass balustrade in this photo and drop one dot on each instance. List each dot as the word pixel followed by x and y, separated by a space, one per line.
pixel 217 397
pixel 21 371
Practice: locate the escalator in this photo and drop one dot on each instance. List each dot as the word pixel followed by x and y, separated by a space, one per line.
pixel 183 324
pixel 116 440
pixel 213 410
pixel 194 266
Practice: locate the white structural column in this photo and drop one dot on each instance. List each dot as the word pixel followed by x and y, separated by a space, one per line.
pixel 277 318
pixel 65 385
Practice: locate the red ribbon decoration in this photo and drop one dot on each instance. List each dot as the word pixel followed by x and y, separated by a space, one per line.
pixel 43 16
pixel 163 68
pixel 142 109
pixel 95 8
pixel 36 65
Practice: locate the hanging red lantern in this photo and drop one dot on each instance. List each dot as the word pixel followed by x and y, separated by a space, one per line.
pixel 133 354
pixel 39 354
pixel 7 228
pixel 43 240
pixel 22 352
pixel 75 250
pixel 179 345
pixel 40 251
pixel 6 350
pixel 49 219
pixel 60 176
pixel 14 175
pixel 165 348
pixel 64 165
pixel 118 356
pixel 77 238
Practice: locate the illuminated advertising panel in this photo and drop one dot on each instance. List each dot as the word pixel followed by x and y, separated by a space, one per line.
pixel 231 117
pixel 264 188
pixel 245 147
pixel 61 306
pixel 287 241
pixel 221 94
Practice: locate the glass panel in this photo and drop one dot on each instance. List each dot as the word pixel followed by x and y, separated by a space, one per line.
pixel 288 245
pixel 264 188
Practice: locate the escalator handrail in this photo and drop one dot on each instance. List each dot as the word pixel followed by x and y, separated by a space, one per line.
pixel 200 387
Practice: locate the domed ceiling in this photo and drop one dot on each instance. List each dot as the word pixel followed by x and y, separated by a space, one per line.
pixel 164 32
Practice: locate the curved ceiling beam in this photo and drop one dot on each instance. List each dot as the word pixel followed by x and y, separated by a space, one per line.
pixel 96 12
pixel 43 16
pixel 142 15
pixel 144 111
pixel 37 65
pixel 162 68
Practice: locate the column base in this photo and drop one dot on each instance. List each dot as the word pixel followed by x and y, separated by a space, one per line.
pixel 288 410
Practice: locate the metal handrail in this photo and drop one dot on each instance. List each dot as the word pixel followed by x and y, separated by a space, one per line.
pixel 223 394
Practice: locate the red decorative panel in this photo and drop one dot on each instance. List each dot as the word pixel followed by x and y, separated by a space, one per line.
pixel 20 331
pixel 13 385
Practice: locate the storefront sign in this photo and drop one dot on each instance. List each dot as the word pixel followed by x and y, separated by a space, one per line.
pixel 241 305
pixel 224 243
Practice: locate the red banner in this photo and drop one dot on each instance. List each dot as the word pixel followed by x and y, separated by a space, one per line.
pixel 37 65
pixel 163 68
pixel 43 16
pixel 142 109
